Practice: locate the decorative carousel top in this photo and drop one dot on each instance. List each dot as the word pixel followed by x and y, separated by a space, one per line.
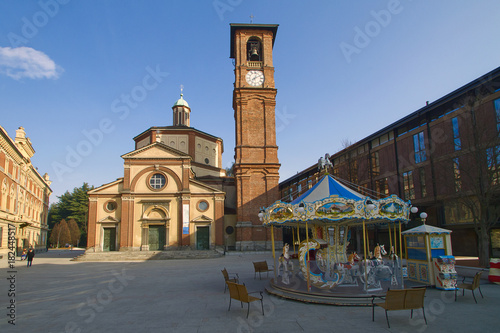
pixel 329 202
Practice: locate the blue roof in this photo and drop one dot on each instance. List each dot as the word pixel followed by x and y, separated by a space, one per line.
pixel 325 188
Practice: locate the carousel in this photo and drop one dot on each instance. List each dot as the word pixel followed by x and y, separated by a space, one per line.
pixel 327 269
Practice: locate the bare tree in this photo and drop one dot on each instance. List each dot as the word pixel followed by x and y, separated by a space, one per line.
pixel 473 170
pixel 74 232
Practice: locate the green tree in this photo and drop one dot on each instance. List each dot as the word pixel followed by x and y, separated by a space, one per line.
pixel 74 206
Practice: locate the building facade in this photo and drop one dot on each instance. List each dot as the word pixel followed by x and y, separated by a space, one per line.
pixel 433 157
pixel 161 202
pixel 24 196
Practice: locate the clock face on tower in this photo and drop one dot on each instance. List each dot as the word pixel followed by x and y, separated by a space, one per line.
pixel 255 78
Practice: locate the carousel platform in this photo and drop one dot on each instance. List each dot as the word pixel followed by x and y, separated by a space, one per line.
pixel 296 290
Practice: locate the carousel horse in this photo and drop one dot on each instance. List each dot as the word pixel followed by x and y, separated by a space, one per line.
pixel 378 252
pixel 395 266
pixel 353 257
pixel 376 270
pixel 285 259
pixel 393 254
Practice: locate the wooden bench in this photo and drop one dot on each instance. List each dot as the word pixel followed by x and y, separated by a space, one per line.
pixel 401 299
pixel 260 267
pixel 240 293
pixel 229 277
pixel 476 284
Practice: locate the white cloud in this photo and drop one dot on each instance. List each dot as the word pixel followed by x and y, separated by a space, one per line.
pixel 25 62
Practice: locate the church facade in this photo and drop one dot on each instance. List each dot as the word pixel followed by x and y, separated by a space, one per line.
pixel 174 192
pixel 159 203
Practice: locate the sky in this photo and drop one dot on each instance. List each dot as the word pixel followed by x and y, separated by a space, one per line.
pixel 85 77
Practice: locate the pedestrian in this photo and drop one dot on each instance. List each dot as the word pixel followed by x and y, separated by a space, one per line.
pixel 23 255
pixel 30 255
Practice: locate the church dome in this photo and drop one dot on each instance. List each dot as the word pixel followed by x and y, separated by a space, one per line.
pixel 181 102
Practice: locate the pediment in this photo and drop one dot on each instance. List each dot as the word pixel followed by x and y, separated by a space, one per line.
pixel 155 150
pixel 108 219
pixel 202 219
pixel 113 187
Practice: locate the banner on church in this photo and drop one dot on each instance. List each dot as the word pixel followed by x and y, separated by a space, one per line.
pixel 185 219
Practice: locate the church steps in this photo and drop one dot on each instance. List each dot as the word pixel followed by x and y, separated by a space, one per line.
pixel 147 255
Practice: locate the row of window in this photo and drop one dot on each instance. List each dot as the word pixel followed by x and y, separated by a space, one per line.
pixel 420 154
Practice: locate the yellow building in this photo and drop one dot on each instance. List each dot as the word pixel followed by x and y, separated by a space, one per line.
pixel 24 195
pixel 162 202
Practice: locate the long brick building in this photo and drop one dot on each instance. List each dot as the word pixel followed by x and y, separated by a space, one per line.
pixel 432 157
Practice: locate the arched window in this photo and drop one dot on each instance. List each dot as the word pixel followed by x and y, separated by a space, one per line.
pixel 254 49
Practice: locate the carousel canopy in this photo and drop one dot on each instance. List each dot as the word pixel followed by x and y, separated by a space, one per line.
pixel 329 201
pixel 325 188
pixel 426 229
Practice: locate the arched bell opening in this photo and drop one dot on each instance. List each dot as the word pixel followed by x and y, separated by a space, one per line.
pixel 254 49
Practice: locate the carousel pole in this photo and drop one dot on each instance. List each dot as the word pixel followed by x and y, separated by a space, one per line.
pixel 395 240
pixel 364 250
pixel 401 256
pixel 368 240
pixel 307 265
pixel 390 238
pixel 274 253
pixel 293 240
pixel 298 233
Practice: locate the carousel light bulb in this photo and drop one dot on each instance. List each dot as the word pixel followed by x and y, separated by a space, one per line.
pixel 301 208
pixel 369 205
pixel 260 215
pixel 423 215
pixel 414 210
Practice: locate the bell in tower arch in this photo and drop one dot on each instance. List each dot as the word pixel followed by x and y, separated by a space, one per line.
pixel 254 50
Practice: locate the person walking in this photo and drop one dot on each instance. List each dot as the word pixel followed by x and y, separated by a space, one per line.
pixel 30 255
pixel 23 255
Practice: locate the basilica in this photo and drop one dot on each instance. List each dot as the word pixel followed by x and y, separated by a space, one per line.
pixel 174 193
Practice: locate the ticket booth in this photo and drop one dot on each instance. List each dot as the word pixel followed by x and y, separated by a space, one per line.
pixel 429 256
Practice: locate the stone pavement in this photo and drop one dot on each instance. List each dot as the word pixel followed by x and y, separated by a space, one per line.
pixel 59 295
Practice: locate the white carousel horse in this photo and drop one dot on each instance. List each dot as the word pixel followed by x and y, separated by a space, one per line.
pixel 378 252
pixel 285 259
pixel 376 270
pixel 395 266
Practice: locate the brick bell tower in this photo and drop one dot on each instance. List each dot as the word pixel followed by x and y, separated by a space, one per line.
pixel 256 167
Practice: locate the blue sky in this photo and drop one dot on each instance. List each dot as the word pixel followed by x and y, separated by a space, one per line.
pixel 344 69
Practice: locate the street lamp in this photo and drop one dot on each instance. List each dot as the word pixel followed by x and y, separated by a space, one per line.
pixel 423 216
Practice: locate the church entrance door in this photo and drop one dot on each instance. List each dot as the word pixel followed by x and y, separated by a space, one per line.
pixel 202 238
pixel 109 242
pixel 156 237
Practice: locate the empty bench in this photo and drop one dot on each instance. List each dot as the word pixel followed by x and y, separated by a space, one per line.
pixel 261 267
pixel 401 299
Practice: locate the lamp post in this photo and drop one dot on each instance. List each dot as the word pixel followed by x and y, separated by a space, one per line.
pixel 369 207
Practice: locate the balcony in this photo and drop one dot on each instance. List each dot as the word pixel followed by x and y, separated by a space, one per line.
pixel 254 64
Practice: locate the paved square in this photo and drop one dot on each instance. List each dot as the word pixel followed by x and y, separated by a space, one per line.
pixel 59 295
